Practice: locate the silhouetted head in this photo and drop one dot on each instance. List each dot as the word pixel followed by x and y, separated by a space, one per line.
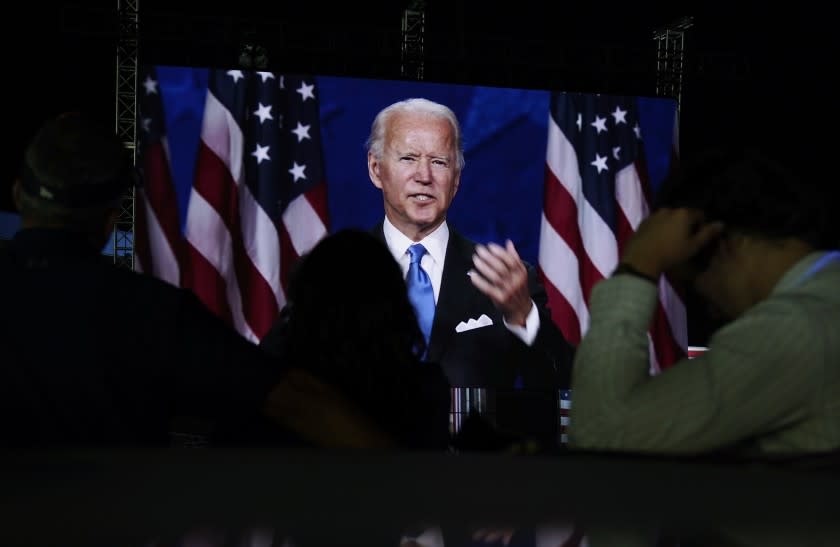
pixel 73 176
pixel 752 192
pixel 772 215
pixel 350 319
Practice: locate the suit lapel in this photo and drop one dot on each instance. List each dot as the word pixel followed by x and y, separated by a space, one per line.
pixel 456 293
pixel 378 232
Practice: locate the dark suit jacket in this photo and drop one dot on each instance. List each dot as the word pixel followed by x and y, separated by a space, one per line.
pixel 491 356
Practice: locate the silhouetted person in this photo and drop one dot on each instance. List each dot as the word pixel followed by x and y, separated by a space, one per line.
pixel 93 354
pixel 350 324
pixel 751 236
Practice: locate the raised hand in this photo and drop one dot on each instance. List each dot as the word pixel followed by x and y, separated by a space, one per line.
pixel 668 238
pixel 500 274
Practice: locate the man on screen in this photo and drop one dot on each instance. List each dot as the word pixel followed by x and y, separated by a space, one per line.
pixel 485 319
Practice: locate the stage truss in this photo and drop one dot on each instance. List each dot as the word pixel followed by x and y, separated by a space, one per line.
pixel 126 123
pixel 670 58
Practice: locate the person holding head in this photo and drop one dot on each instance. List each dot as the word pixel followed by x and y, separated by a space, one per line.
pixel 360 335
pixel 485 318
pixel 95 354
pixel 751 236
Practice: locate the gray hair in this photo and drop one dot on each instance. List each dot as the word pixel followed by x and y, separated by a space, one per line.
pixel 376 141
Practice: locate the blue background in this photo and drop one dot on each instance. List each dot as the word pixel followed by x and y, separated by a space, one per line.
pixel 504 133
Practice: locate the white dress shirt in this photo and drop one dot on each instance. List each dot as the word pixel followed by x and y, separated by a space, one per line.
pixel 432 262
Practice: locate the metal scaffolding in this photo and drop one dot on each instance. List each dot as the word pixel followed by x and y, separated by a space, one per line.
pixel 413 26
pixel 126 123
pixel 670 58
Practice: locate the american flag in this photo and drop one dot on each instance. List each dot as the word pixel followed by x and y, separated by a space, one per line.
pixel 596 193
pixel 158 246
pixel 257 200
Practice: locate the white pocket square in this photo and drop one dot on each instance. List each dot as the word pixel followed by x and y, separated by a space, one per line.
pixel 471 324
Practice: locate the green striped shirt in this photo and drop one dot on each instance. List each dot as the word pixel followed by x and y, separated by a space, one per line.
pixel 770 382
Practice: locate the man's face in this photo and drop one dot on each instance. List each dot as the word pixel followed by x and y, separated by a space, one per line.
pixel 417 173
pixel 722 284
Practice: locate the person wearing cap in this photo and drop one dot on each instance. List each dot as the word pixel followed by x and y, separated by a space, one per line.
pixel 95 354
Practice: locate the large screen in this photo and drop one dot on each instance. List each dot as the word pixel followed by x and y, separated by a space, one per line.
pixel 289 150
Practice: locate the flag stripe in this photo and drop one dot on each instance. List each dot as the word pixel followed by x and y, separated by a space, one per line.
pixel 596 194
pixel 262 243
pixel 165 265
pixel 304 224
pixel 210 237
pixel 630 197
pixel 220 194
pixel 208 285
pixel 668 322
pixel 563 313
pixel 159 245
pixel 562 219
pixel 247 219
pixel 562 216
pixel 288 256
pixel 597 236
pixel 568 306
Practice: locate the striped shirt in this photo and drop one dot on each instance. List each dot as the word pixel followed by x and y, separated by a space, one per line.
pixel 770 382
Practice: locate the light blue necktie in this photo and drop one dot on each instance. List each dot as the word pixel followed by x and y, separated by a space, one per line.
pixel 420 291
